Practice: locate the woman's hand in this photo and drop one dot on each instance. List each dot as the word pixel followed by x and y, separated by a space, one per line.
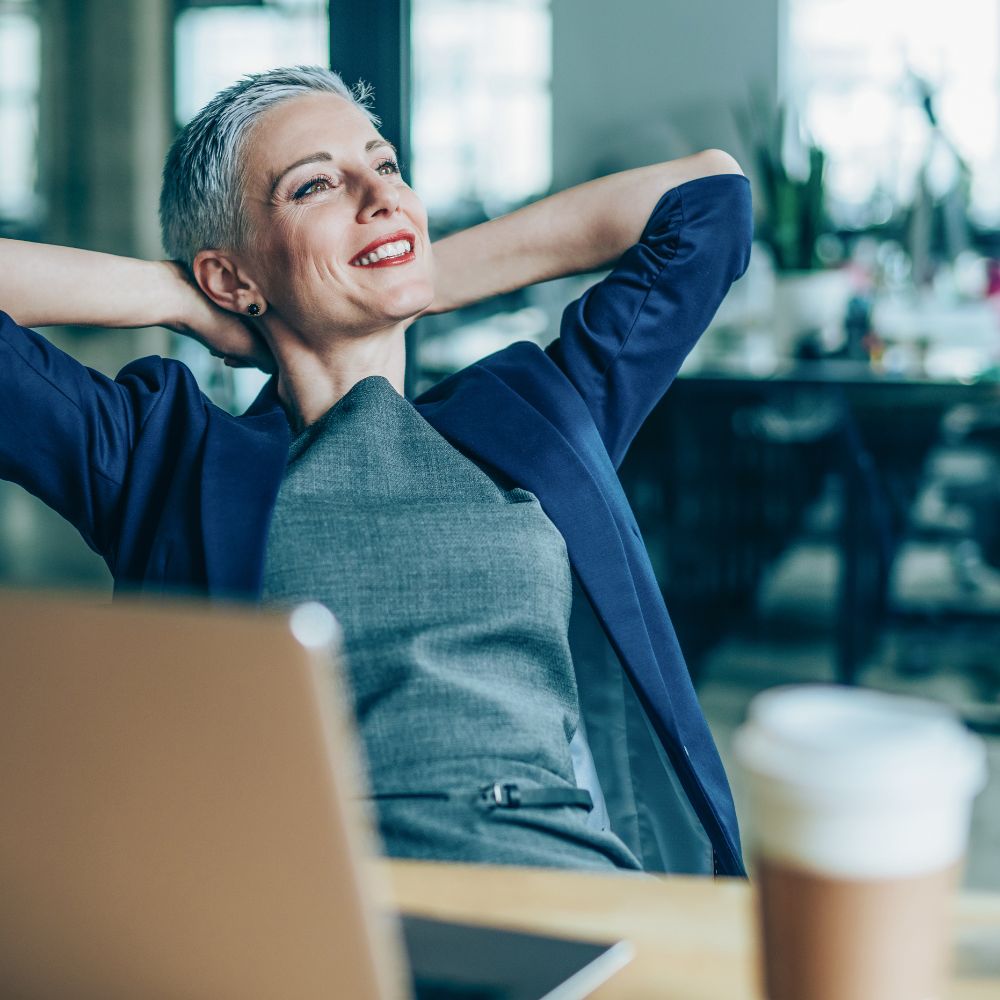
pixel 225 334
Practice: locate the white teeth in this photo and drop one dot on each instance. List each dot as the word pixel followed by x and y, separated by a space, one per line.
pixel 396 249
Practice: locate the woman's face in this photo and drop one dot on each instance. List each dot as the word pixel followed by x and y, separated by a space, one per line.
pixel 341 241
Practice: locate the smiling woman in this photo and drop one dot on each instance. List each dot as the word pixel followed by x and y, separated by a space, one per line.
pixel 453 536
pixel 318 190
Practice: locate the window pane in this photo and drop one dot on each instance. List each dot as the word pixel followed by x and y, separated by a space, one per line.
pixel 481 101
pixel 19 80
pixel 862 70
pixel 215 46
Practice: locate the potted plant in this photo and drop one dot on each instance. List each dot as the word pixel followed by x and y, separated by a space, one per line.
pixel 809 296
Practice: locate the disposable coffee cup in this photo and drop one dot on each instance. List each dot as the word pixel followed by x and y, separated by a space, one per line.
pixel 859 805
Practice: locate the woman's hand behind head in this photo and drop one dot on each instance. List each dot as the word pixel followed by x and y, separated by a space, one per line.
pixel 225 334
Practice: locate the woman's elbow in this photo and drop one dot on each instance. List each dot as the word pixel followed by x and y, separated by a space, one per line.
pixel 710 162
pixel 697 166
pixel 725 210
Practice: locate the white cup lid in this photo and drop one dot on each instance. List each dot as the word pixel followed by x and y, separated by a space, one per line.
pixel 823 739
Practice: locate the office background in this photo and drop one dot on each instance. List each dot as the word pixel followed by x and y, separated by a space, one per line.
pixel 820 491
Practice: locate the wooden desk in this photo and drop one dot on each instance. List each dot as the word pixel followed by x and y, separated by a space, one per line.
pixel 693 937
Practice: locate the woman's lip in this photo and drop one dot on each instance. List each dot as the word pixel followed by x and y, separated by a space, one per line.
pixel 403 234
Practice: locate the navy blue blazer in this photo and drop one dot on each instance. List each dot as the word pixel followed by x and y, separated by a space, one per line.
pixel 175 493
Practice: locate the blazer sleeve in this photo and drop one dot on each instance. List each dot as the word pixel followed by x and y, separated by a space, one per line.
pixel 66 431
pixel 623 341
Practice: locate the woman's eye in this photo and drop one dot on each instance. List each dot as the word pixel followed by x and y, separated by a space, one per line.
pixel 312 186
pixel 387 167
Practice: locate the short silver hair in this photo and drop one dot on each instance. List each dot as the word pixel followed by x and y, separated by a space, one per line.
pixel 201 200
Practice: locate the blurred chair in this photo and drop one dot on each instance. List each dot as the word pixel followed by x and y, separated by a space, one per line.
pixel 976 486
pixel 720 478
pixel 961 512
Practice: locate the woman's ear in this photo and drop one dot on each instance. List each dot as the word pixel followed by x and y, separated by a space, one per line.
pixel 220 278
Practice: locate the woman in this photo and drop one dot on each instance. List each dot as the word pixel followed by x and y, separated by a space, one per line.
pixel 453 537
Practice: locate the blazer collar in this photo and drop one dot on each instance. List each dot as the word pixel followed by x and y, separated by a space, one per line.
pixel 494 425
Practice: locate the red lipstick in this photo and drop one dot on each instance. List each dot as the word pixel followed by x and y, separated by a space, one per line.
pixel 403 258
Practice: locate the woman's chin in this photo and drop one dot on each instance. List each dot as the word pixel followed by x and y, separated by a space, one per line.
pixel 407 302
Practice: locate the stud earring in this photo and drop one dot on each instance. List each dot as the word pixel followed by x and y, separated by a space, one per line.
pixel 253 309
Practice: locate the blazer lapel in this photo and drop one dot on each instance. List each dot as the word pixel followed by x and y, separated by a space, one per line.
pixel 489 422
pixel 516 413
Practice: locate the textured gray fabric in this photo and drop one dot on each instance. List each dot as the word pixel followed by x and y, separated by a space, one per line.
pixel 454 596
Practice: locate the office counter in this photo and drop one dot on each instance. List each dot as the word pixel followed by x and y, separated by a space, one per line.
pixel 693 937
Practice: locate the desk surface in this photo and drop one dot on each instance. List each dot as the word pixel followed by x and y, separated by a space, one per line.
pixel 693 937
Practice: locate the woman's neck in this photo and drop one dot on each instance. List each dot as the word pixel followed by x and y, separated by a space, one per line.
pixel 311 379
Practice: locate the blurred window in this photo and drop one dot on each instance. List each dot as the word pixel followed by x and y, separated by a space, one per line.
pixel 861 70
pixel 19 82
pixel 216 44
pixel 482 108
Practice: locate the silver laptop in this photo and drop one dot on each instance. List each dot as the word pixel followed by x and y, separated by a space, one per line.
pixel 179 818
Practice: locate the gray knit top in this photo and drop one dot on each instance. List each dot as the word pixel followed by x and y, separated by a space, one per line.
pixel 454 596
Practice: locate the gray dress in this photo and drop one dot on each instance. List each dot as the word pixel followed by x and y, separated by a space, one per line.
pixel 454 596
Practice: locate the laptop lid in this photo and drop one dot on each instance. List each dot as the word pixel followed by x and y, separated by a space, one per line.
pixel 152 757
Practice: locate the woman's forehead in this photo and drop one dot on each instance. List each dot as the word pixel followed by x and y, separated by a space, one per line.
pixel 305 124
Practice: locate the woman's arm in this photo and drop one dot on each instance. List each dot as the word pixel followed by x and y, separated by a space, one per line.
pixel 43 285
pixel 67 432
pixel 577 230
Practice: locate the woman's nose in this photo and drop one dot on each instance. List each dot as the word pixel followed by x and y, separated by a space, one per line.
pixel 379 197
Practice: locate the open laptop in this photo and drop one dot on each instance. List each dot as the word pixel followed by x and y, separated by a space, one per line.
pixel 179 819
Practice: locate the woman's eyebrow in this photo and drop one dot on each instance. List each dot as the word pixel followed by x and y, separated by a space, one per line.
pixel 375 143
pixel 324 157
pixel 320 157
